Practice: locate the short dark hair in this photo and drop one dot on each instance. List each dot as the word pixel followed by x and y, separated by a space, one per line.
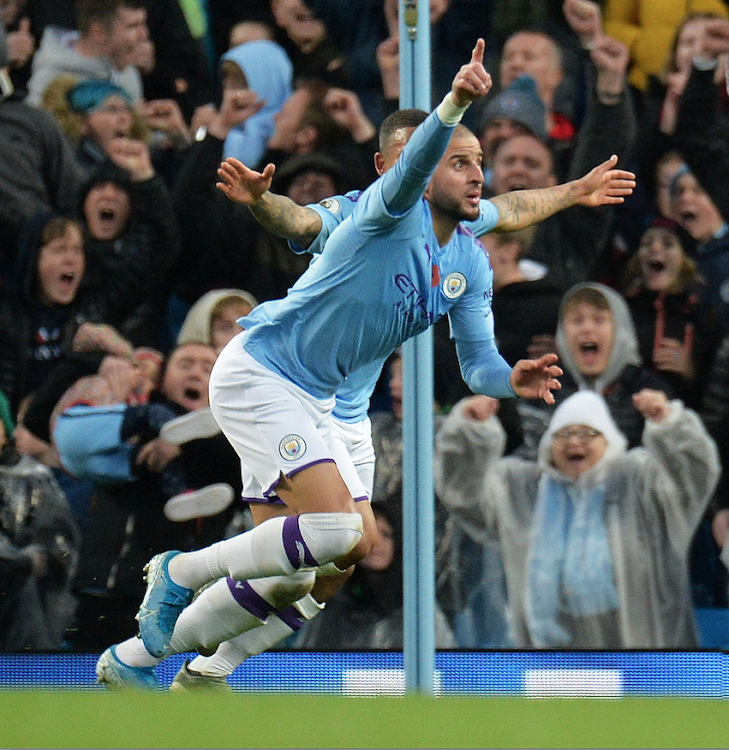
pixel 402 118
pixel 100 11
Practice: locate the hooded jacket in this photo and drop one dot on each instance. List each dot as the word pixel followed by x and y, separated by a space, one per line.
pixel 269 72
pixel 130 276
pixel 23 316
pixel 654 498
pixel 196 326
pixel 623 376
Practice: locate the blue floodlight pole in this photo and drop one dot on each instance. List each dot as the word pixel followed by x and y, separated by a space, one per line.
pixel 417 464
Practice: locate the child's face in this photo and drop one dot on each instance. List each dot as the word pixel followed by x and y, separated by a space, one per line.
pixel 107 210
pixel 661 259
pixel 694 210
pixel 589 333
pixel 232 76
pixel 187 375
pixel 224 326
pixel 60 267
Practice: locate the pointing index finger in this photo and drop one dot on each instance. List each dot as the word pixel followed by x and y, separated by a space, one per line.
pixel 478 50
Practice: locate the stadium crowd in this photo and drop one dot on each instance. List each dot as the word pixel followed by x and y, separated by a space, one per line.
pixel 599 522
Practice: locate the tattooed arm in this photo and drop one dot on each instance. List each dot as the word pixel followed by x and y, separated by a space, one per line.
pixel 275 213
pixel 602 185
pixel 284 218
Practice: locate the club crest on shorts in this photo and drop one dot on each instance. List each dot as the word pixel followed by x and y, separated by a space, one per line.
pixel 454 285
pixel 292 447
pixel 331 204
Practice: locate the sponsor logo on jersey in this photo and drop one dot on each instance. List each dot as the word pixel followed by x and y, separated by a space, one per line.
pixel 434 276
pixel 331 204
pixel 292 447
pixel 454 285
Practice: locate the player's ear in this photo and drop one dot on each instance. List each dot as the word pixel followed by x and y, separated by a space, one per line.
pixel 379 163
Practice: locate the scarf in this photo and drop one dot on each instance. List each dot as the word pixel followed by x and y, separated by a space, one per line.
pixel 569 564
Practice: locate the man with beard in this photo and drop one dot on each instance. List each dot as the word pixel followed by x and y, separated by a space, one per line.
pixel 399 263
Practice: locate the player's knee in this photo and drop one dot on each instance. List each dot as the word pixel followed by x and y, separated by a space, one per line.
pixel 329 535
pixel 370 533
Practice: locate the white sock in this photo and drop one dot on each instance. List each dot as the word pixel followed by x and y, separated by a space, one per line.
pixel 235 651
pixel 278 546
pixel 230 607
pixel 133 653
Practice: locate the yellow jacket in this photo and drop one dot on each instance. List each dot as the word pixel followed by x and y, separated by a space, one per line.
pixel 647 27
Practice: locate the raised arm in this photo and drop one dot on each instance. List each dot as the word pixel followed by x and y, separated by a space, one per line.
pixel 405 184
pixel 275 213
pixel 600 186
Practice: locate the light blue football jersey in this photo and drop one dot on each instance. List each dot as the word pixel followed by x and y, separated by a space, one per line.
pixel 383 279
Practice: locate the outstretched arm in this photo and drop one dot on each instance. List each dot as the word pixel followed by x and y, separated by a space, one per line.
pixel 275 213
pixel 601 186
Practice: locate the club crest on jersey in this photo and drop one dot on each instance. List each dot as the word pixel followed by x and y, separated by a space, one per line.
pixel 454 285
pixel 292 447
pixel 331 204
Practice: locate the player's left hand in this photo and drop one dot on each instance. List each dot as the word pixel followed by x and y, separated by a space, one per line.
pixel 536 378
pixel 605 184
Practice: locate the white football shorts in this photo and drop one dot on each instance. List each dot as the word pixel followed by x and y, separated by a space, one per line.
pixel 275 426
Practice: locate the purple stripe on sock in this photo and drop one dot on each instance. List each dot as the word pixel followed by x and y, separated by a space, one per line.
pixel 244 594
pixel 295 546
pixel 291 617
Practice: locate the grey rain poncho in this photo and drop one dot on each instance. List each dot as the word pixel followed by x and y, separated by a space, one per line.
pixel 653 498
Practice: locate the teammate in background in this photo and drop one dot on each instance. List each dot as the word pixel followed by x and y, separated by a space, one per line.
pixel 437 269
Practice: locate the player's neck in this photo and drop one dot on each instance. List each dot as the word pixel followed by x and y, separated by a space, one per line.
pixel 443 225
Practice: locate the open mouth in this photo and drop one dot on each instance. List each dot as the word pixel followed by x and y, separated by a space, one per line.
pixel 67 280
pixel 589 353
pixel 192 394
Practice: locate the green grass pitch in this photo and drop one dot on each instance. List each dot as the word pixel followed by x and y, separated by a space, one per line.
pixel 76 719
